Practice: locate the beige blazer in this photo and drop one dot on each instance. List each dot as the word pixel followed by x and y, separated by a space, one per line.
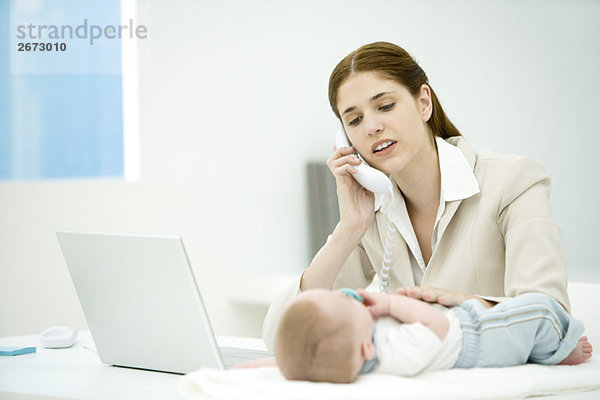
pixel 498 243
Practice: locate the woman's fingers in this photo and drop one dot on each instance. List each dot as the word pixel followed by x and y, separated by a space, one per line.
pixel 415 292
pixel 355 202
pixel 343 161
pixel 339 163
pixel 431 295
pixel 444 297
pixel 339 153
pixel 449 300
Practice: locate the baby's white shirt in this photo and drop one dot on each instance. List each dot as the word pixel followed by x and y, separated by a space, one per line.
pixel 410 349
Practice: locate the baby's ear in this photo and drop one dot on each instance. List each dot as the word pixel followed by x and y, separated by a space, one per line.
pixel 367 349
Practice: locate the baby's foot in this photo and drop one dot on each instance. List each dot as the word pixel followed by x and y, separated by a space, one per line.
pixel 580 353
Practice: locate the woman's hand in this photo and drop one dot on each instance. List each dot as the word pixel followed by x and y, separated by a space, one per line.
pixel 377 303
pixel 444 297
pixel 355 202
pixel 356 215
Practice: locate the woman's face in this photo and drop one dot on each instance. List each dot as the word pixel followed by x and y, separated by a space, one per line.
pixel 384 122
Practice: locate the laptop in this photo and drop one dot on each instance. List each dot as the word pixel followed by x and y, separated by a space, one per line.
pixel 142 303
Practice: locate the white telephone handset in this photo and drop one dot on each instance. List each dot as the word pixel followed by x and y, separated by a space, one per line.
pixel 377 182
pixel 370 178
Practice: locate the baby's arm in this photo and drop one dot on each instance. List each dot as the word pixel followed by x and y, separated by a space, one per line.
pixel 407 310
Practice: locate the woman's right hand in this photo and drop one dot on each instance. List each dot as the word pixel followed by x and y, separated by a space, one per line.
pixel 356 215
pixel 356 203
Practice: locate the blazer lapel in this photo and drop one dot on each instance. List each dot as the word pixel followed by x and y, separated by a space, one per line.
pixel 451 208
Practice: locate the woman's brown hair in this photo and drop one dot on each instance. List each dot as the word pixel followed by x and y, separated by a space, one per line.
pixel 391 62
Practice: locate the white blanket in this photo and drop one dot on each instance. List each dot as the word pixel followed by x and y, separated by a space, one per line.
pixel 479 383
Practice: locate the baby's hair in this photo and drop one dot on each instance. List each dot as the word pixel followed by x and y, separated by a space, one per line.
pixel 315 346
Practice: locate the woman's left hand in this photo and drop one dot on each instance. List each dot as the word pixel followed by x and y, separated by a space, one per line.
pixel 448 298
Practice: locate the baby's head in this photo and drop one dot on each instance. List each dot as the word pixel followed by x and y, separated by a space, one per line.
pixel 324 336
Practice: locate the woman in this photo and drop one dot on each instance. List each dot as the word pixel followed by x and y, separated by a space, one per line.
pixel 468 224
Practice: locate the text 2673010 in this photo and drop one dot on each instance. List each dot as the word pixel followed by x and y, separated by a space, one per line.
pixel 56 46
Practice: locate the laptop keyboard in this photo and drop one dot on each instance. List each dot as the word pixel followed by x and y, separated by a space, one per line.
pixel 235 355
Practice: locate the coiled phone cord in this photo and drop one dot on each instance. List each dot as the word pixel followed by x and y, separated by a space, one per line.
pixel 384 274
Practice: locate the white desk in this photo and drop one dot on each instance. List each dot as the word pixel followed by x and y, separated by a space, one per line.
pixel 77 373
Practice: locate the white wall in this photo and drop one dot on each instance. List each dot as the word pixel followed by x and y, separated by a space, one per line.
pixel 233 102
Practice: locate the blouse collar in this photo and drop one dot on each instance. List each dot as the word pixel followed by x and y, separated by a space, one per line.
pixel 456 161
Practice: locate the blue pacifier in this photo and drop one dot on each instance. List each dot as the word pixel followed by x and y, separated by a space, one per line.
pixel 352 294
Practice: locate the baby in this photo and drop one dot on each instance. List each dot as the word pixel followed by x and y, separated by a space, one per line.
pixel 334 336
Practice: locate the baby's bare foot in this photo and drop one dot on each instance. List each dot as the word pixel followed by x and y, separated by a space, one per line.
pixel 580 353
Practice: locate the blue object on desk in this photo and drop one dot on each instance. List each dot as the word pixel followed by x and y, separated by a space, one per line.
pixel 16 350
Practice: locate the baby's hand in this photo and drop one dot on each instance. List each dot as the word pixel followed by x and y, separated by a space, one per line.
pixel 377 303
